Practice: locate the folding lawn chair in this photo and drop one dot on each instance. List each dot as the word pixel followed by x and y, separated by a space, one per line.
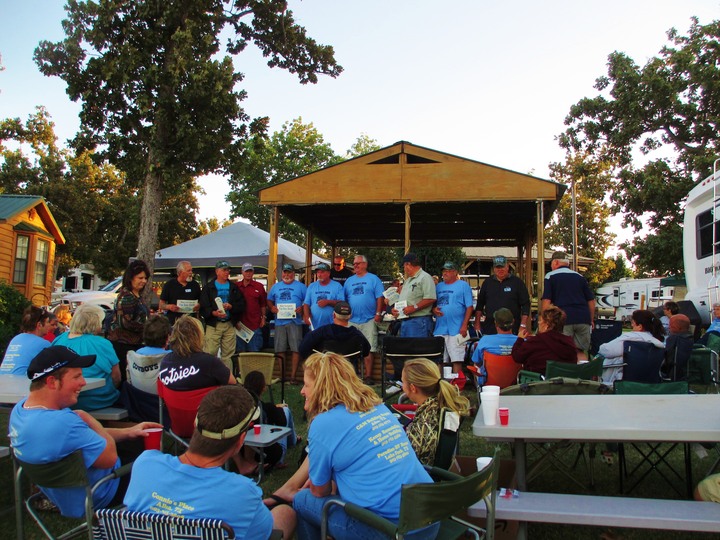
pixel 265 364
pixel 68 472
pixel 589 371
pixel 653 455
pixel 424 504
pixel 400 349
pixel 125 525
pixel 605 331
pixel 182 407
pixel 350 349
pixel 501 369
pixel 642 362
pixel 552 454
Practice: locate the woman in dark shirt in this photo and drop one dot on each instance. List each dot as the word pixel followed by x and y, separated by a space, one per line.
pixel 549 343
pixel 187 367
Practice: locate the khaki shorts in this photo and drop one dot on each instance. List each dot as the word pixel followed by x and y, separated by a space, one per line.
pixel 369 330
pixel 709 489
pixel 580 333
pixel 453 351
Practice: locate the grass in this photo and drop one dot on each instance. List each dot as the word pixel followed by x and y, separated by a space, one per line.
pixel 606 478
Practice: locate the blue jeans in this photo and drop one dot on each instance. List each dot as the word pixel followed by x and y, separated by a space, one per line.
pixel 254 345
pixel 340 525
pixel 416 327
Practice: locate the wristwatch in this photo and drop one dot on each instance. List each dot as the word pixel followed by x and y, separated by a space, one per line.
pixel 415 307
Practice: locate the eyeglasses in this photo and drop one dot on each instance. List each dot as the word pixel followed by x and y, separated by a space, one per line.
pixel 337 264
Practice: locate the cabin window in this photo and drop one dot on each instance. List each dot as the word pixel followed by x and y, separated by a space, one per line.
pixel 42 254
pixel 704 234
pixel 21 259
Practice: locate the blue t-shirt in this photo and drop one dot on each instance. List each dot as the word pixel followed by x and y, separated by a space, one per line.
pixel 44 436
pixel 317 291
pixel 453 300
pixel 367 454
pixel 362 294
pixel 223 290
pixel 288 293
pixel 161 484
pixel 105 359
pixel 569 291
pixel 495 344
pixel 20 351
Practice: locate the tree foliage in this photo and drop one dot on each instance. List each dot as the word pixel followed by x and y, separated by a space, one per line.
pixel 12 305
pixel 95 208
pixel 620 269
pixel 593 237
pixel 658 125
pixel 160 99
pixel 297 149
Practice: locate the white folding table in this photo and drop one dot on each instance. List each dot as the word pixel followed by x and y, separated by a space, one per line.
pixel 13 388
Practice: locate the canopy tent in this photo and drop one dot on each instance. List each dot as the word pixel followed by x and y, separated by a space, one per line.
pixel 237 244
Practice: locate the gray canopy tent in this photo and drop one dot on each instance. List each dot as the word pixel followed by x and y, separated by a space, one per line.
pixel 237 244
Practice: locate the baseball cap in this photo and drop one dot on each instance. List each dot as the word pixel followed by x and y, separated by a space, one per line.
pixel 504 318
pixel 248 266
pixel 411 258
pixel 343 309
pixel 288 267
pixel 56 357
pixel 559 256
pixel 322 266
pixel 500 260
pixel 222 264
pixel 449 265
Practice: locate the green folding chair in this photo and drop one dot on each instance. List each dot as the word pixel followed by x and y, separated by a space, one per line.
pixel 589 371
pixel 69 472
pixel 422 505
pixel 703 368
pixel 653 455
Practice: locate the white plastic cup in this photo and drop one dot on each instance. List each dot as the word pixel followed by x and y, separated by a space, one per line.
pixel 490 404
pixel 491 389
pixel 447 372
pixel 483 462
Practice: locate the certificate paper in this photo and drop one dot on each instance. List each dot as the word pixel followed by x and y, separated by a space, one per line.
pixel 186 306
pixel 391 295
pixel 286 311
pixel 400 305
pixel 243 332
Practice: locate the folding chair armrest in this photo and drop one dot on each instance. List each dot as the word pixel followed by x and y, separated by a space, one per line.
pixel 370 518
pixel 276 534
pixel 117 473
pixel 441 474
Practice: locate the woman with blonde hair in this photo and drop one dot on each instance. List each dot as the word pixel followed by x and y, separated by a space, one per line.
pixel 84 338
pixel 423 384
pixel 358 452
pixel 187 367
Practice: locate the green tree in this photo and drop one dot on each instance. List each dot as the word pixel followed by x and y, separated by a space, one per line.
pixel 211 225
pixel 94 206
pixel 295 150
pixel 668 107
pixel 159 97
pixel 12 305
pixel 620 269
pixel 593 237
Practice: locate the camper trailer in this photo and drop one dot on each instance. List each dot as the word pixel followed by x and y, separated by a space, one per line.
pixel 701 249
pixel 618 299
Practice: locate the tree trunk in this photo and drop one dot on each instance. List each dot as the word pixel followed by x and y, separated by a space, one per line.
pixel 150 212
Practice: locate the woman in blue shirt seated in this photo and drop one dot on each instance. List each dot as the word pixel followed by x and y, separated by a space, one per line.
pixel 358 452
pixel 26 345
pixel 83 338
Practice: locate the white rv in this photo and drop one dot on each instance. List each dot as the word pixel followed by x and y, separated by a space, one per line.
pixel 619 299
pixel 701 246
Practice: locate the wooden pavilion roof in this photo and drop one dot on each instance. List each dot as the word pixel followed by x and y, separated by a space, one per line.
pixel 452 200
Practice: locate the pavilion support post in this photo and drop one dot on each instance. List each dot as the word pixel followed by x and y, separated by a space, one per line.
pixel 308 256
pixel 528 261
pixel 407 227
pixel 519 268
pixel 540 253
pixel 273 249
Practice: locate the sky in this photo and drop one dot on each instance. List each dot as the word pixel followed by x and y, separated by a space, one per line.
pixel 486 80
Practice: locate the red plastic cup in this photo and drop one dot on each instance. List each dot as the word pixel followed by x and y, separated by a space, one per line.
pixel 256 429
pixel 504 413
pixel 152 441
